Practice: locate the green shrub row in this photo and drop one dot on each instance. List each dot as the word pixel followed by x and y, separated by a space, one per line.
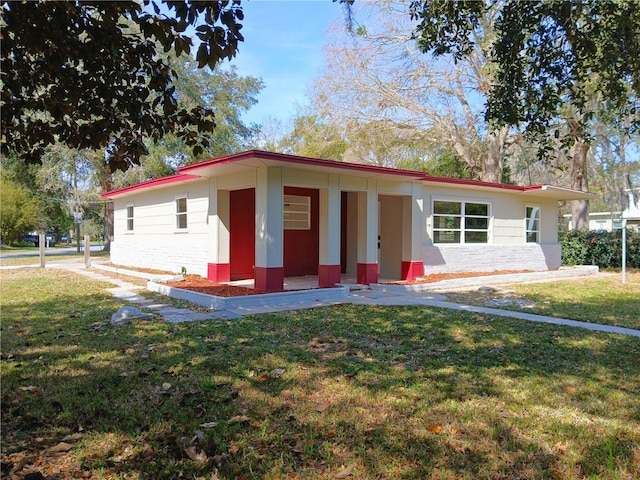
pixel 599 248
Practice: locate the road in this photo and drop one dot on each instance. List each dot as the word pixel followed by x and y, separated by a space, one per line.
pixel 50 252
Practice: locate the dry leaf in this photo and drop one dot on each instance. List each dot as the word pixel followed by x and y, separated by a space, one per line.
pixel 60 448
pixel 344 473
pixel 286 393
pixel 73 437
pixel 233 449
pixel 435 428
pixel 570 390
pixel 278 372
pixel 30 389
pixel 193 455
pixel 263 376
pixel 209 424
pixel 322 406
pixel 238 419
pixel 166 386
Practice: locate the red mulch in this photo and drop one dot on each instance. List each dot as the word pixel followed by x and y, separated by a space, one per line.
pixel 199 284
pixel 437 277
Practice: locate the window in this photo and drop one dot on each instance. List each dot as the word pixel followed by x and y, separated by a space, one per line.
pixel 297 212
pixel 181 213
pixel 129 218
pixel 460 222
pixel 532 226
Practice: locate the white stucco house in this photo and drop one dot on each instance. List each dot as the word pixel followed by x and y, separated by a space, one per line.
pixel 268 216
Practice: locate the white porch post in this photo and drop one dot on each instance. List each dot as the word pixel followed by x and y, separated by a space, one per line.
pixel 330 207
pixel 413 224
pixel 367 268
pixel 218 266
pixel 269 269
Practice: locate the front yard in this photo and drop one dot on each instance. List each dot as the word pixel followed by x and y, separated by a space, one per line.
pixel 338 392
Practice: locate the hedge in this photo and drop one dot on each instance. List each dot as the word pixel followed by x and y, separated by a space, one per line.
pixel 583 247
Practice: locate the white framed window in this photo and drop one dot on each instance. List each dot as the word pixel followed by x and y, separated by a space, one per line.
pixel 297 212
pixel 461 221
pixel 129 218
pixel 181 213
pixel 532 224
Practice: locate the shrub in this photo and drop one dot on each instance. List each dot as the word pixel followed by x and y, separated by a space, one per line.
pixel 583 247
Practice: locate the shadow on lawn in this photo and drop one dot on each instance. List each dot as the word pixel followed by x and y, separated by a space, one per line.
pixel 412 391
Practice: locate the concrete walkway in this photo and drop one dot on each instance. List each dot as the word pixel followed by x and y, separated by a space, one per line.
pixel 127 291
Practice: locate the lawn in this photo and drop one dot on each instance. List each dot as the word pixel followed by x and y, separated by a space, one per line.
pixel 600 299
pixel 339 392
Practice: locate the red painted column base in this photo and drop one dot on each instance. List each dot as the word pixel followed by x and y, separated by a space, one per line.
pixel 328 275
pixel 412 270
pixel 219 272
pixel 269 278
pixel 367 273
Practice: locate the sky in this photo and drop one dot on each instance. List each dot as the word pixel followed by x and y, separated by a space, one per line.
pixel 283 46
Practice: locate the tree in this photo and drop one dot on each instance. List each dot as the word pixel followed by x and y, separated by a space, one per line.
pixel 88 74
pixel 379 85
pixel 548 55
pixel 18 211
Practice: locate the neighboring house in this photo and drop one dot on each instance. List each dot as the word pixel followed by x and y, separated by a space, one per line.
pixel 631 215
pixel 600 221
pixel 268 216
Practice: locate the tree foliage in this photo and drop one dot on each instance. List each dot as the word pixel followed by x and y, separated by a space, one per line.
pixel 89 74
pixel 548 53
pixel 18 211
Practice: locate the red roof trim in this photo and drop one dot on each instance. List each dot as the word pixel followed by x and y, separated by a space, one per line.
pixel 156 182
pixel 183 174
pixel 282 157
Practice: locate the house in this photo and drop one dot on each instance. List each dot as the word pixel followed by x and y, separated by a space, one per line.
pixel 600 221
pixel 268 216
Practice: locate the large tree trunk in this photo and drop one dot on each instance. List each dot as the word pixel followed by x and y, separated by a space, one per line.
pixel 579 150
pixel 493 163
pixel 106 183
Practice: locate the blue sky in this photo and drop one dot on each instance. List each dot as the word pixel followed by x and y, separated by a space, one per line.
pixel 283 46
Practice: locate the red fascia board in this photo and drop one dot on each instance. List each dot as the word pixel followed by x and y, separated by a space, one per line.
pixel 282 157
pixel 156 182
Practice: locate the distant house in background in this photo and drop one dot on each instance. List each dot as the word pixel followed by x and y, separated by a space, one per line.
pixel 631 215
pixel 266 216
pixel 600 221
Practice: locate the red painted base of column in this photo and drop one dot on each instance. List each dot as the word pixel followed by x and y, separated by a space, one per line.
pixel 412 270
pixel 328 275
pixel 269 278
pixel 367 273
pixel 219 272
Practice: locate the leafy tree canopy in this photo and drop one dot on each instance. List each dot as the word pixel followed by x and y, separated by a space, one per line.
pixel 548 53
pixel 89 74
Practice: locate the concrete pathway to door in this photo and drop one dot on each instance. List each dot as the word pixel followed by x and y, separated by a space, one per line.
pixel 380 296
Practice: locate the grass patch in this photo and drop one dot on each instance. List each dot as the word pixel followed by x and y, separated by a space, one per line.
pixel 372 392
pixel 602 299
pixel 35 259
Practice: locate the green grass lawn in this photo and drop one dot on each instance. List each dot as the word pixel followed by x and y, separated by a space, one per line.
pixel 601 299
pixel 339 392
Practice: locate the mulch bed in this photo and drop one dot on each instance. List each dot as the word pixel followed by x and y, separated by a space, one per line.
pixel 196 283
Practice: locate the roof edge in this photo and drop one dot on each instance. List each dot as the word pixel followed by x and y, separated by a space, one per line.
pixel 156 182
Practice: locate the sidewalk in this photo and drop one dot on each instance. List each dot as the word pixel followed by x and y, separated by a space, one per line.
pixel 127 291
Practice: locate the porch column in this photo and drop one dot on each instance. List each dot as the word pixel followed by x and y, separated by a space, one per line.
pixel 367 268
pixel 330 207
pixel 269 269
pixel 218 266
pixel 414 226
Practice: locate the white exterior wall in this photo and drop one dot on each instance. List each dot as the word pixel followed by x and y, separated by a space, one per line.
pixel 155 241
pixel 506 248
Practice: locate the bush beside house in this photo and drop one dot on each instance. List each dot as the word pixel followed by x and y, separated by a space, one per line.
pixel 599 248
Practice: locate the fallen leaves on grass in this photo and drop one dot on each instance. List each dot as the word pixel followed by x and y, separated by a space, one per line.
pixel 344 473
